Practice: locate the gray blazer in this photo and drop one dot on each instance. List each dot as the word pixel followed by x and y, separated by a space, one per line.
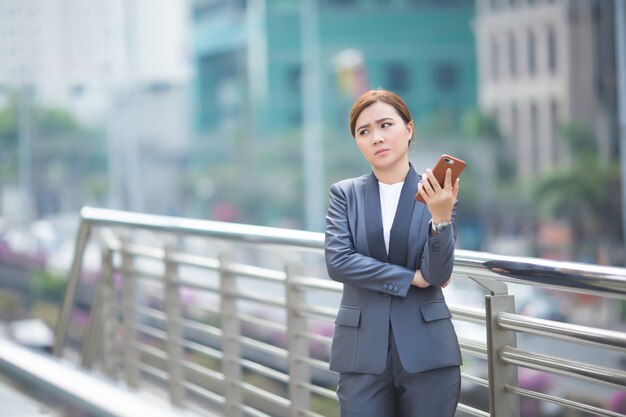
pixel 377 288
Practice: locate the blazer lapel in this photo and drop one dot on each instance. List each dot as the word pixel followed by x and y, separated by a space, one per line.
pixel 399 235
pixel 374 221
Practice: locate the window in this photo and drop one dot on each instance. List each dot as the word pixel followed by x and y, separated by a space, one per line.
pixel 512 55
pixel 552 50
pixel 514 122
pixel 495 58
pixel 554 130
pixel 446 77
pixel 532 51
pixel 294 79
pixel 397 77
pixel 535 151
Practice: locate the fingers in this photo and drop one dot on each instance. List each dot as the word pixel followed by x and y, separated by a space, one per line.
pixel 455 189
pixel 447 182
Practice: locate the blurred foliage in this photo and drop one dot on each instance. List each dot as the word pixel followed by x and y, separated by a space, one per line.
pixel 585 191
pixel 10 307
pixel 69 158
pixel 48 286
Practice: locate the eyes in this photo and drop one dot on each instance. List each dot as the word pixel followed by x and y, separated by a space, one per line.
pixel 365 131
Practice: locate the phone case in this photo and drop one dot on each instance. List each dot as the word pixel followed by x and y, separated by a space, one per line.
pixel 444 162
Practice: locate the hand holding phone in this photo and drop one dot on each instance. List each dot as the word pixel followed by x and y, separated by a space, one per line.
pixel 439 171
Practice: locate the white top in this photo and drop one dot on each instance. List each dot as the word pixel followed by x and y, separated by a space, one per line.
pixel 389 197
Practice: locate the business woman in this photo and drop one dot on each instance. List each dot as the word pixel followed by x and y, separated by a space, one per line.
pixel 394 344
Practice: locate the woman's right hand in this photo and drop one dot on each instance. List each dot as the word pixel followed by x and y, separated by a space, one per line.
pixel 420 282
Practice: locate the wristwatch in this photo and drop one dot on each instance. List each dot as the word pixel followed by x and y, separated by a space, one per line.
pixel 439 227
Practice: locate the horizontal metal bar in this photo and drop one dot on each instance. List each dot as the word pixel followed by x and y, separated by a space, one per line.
pixel 265 347
pixel 264 370
pixel 583 371
pixel 473 347
pixel 313 283
pixel 151 331
pixel 152 351
pixel 578 277
pixel 153 371
pixel 258 298
pixel 242 270
pixel 315 363
pixel 471 410
pixel 189 259
pixel 568 276
pixel 227 231
pixel 307 413
pixel 469 314
pixel 317 390
pixel 205 350
pixel 204 393
pixel 153 313
pixel 201 327
pixel 251 411
pixel 314 311
pixel 266 395
pixel 563 331
pixel 325 340
pixel 279 327
pixel 48 380
pixel 476 380
pixel 204 371
pixel 562 401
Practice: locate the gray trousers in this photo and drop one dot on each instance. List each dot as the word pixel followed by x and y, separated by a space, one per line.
pixel 397 393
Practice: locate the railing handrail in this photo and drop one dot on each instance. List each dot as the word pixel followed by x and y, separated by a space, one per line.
pixel 582 278
pixel 60 383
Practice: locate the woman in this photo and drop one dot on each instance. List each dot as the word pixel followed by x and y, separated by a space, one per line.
pixel 394 344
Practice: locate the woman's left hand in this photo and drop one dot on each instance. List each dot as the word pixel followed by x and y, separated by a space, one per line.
pixel 439 200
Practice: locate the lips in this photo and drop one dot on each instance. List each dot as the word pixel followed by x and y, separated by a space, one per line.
pixel 381 151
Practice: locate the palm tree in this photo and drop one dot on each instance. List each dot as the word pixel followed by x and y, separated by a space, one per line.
pixel 584 192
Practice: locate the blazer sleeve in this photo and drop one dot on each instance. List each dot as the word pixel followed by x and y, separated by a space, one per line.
pixel 438 254
pixel 346 265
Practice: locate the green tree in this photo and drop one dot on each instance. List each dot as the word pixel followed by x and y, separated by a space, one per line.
pixel 68 159
pixel 585 192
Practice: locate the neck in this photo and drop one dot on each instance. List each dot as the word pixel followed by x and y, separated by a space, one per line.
pixel 393 174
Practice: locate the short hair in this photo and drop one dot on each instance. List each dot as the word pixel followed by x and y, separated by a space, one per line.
pixel 372 96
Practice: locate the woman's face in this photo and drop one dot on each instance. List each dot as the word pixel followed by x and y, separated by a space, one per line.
pixel 382 136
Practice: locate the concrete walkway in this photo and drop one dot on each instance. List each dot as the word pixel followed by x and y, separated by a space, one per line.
pixel 14 404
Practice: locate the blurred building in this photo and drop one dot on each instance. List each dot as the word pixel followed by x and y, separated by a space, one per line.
pixel 74 53
pixel 248 60
pixel 543 63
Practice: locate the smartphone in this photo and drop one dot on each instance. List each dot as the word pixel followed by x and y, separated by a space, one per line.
pixel 443 163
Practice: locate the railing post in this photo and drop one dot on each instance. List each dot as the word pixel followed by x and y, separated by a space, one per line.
pixel 93 333
pixel 231 334
pixel 297 347
pixel 502 403
pixel 109 317
pixel 129 321
pixel 174 341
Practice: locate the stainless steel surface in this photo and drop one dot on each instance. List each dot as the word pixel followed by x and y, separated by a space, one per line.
pixel 281 259
pixel 501 403
pixel 49 379
pixel 586 372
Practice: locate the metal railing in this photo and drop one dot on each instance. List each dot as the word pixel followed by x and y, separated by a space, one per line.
pixel 66 390
pixel 237 319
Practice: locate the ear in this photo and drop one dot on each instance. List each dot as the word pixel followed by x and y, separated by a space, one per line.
pixel 409 129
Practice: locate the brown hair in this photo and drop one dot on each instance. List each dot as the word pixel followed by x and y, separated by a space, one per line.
pixel 372 96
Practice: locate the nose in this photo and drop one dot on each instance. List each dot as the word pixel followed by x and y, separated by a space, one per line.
pixel 378 137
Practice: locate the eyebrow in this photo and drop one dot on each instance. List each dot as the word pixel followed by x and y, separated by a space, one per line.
pixel 376 121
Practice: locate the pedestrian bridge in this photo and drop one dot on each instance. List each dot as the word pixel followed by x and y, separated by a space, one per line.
pixel 168 316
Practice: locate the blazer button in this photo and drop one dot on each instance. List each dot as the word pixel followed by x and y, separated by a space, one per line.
pixel 396 289
pixel 385 287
